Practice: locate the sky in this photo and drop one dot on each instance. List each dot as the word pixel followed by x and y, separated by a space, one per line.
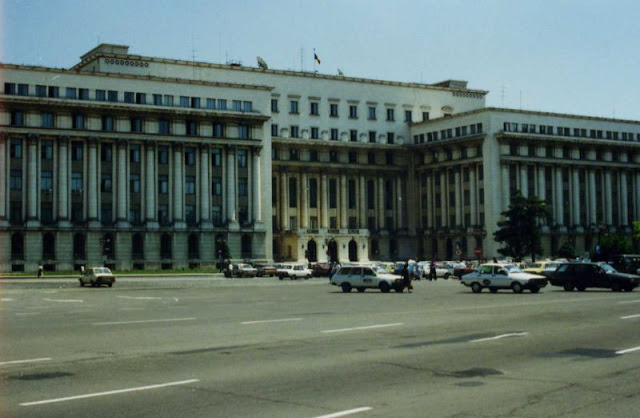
pixel 577 57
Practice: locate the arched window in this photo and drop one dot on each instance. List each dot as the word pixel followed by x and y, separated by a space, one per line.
pixel 137 246
pixel 17 246
pixel 353 250
pixel 312 251
pixel 165 246
pixel 79 246
pixel 194 246
pixel 48 246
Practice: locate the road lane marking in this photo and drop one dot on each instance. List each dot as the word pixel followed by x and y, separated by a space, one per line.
pixel 64 300
pixel 32 360
pixel 147 321
pixel 346 412
pixel 6 300
pixel 140 297
pixel 497 337
pixel 329 331
pixel 628 350
pixel 626 302
pixel 266 321
pixel 111 392
pixel 630 316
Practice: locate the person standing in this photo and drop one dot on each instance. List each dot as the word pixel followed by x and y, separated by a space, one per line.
pixel 432 271
pixel 406 277
pixel 40 271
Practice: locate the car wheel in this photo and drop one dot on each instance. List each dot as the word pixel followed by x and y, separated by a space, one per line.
pixel 535 289
pixel 568 286
pixel 384 287
pixel 615 287
pixel 346 287
pixel 280 277
pixel 110 284
pixel 446 276
pixel 516 287
pixel 361 289
pixel 581 287
pixel 477 287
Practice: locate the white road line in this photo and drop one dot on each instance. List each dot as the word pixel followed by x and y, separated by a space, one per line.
pixel 628 350
pixel 148 321
pixel 266 321
pixel 32 360
pixel 630 316
pixel 626 302
pixel 140 297
pixel 111 392
pixel 6 300
pixel 64 300
pixel 347 412
pixel 497 337
pixel 328 331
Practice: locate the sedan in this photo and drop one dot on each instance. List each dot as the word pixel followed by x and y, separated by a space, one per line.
pixel 495 276
pixel 583 275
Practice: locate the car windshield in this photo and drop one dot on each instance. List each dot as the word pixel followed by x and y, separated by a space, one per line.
pixel 512 268
pixel 103 270
pixel 608 268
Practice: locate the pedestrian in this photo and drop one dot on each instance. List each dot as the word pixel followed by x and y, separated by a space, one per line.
pixel 432 271
pixel 40 271
pixel 406 277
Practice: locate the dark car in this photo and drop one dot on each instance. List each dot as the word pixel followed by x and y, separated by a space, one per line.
pixel 265 270
pixel 626 263
pixel 583 275
pixel 321 269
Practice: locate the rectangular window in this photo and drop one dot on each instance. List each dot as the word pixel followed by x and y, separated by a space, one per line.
pixel 247 106
pixel 190 185
pixel 163 154
pixel 23 89
pixel 134 153
pixel 83 94
pixel 195 102
pixel 106 183
pixel 211 103
pixel 76 181
pixel 168 100
pixel 243 132
pixel 372 137
pixel 189 156
pixel 315 109
pixel 236 105
pixel 333 110
pixel 353 112
pixel 242 158
pixel 222 104
pixel 371 113
pixel 71 93
pixel 390 138
pixel 17 118
pixel 218 130
pixel 274 130
pixel 333 193
pixel 293 107
pixel 371 194
pixel 216 157
pixel 129 97
pixel 164 127
pixel 315 132
pixel 157 99
pixel 106 154
pixel 353 135
pixel 243 187
pixel 76 151
pixel 391 115
pixel 46 181
pixel 107 123
pixel 295 131
pixel 184 101
pixel 313 193
pixel 293 192
pixel 216 186
pixel 53 92
pixel 425 115
pixel 101 95
pixel 191 128
pixel 15 181
pixel 407 116
pixel 274 105
pixel 9 88
pixel 136 125
pixel 334 134
pixel 41 91
pixel 351 193
pixel 46 150
pixel 163 184
pixel 112 95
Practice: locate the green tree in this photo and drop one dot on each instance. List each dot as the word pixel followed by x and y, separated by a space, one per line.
pixel 611 245
pixel 520 230
pixel 636 235
pixel 567 251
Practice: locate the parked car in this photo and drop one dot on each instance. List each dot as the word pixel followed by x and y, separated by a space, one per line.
pixel 442 271
pixel 294 271
pixel 97 276
pixel 321 269
pixel 626 263
pixel 542 267
pixel 363 277
pixel 601 275
pixel 240 270
pixel 495 276
pixel 263 270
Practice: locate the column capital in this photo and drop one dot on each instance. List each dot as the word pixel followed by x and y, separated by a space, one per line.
pixel 33 139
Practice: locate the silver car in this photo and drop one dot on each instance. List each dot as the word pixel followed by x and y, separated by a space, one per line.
pixel 363 277
pixel 495 276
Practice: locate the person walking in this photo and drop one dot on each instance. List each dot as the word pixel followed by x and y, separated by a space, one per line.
pixel 40 271
pixel 406 277
pixel 432 271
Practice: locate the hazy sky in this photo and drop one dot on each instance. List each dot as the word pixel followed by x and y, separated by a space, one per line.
pixel 579 57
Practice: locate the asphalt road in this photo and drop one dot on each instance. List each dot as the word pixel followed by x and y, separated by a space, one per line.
pixel 213 347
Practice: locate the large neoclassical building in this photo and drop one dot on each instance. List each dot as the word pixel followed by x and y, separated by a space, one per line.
pixel 146 162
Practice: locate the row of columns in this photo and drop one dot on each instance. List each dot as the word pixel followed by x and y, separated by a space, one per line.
pixel 303 209
pixel 91 176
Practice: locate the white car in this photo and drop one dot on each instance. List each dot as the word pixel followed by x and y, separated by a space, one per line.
pixel 495 276
pixel 293 271
pixel 363 277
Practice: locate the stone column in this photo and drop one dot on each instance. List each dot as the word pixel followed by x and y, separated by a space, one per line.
pixel 381 207
pixel 444 199
pixel 541 189
pixel 506 188
pixel 150 188
pixel 122 184
pixel 205 189
pixel 624 200
pixel 398 205
pixel 608 204
pixel 92 181
pixel 429 207
pixel 459 206
pixel 232 217
pixel 63 183
pixel 593 213
pixel 342 203
pixel 559 203
pixel 324 201
pixel 575 201
pixel 284 202
pixel 256 182
pixel 524 180
pixel 304 211
pixel 473 191
pixel 4 177
pixel 362 202
pixel 178 188
pixel 32 182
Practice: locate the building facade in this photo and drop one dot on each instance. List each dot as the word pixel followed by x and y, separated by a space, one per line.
pixel 143 162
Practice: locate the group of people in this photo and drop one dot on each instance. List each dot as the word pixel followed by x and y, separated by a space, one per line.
pixel 409 274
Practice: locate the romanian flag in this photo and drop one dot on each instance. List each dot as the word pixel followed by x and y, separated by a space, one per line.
pixel 316 57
